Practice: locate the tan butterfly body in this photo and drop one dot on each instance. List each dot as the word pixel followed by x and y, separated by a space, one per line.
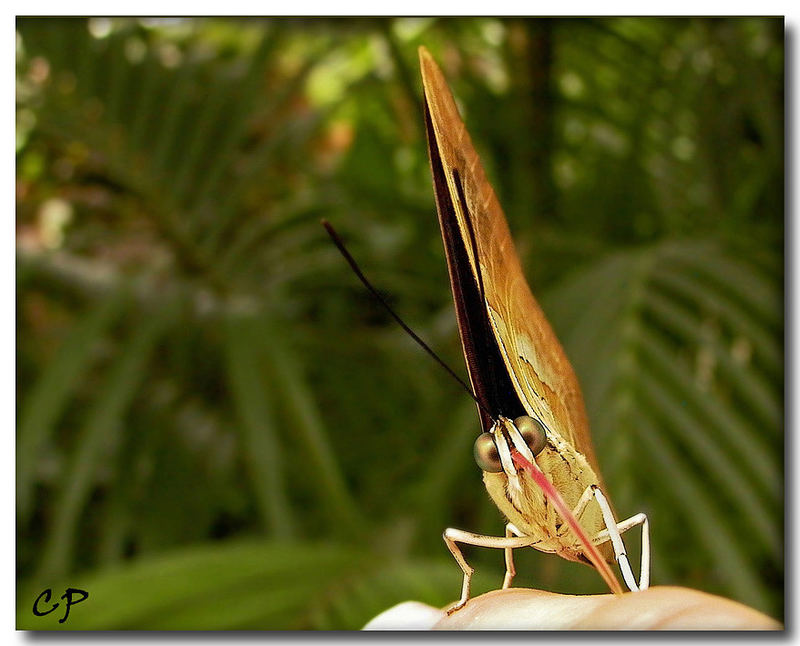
pixel 517 369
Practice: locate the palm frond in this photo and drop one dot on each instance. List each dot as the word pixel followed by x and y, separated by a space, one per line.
pixel 676 372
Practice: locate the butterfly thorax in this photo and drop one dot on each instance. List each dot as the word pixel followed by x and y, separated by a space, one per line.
pixel 525 505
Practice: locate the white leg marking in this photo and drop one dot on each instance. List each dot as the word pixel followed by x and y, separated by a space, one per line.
pixel 586 496
pixel 511 571
pixel 452 536
pixel 613 533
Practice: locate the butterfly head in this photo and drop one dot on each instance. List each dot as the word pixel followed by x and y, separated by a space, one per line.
pixel 493 449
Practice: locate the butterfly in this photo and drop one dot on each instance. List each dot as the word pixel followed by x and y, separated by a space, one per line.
pixel 535 449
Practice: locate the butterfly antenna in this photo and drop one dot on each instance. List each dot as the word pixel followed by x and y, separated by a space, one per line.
pixel 357 271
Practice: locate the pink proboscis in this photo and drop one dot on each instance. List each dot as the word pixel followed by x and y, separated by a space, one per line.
pixel 555 498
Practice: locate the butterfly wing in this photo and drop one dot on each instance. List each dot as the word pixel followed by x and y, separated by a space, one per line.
pixel 528 357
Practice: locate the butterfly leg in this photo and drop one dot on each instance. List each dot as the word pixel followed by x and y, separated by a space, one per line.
pixel 613 533
pixel 620 528
pixel 511 531
pixel 586 496
pixel 452 536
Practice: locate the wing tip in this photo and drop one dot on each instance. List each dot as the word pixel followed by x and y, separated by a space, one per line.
pixel 428 67
pixel 436 91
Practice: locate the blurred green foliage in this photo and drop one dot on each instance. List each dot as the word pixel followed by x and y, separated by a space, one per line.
pixel 218 428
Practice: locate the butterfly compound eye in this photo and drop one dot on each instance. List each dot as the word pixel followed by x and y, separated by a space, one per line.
pixel 486 454
pixel 532 432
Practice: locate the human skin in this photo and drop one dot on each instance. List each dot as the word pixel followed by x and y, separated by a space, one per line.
pixel 658 608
